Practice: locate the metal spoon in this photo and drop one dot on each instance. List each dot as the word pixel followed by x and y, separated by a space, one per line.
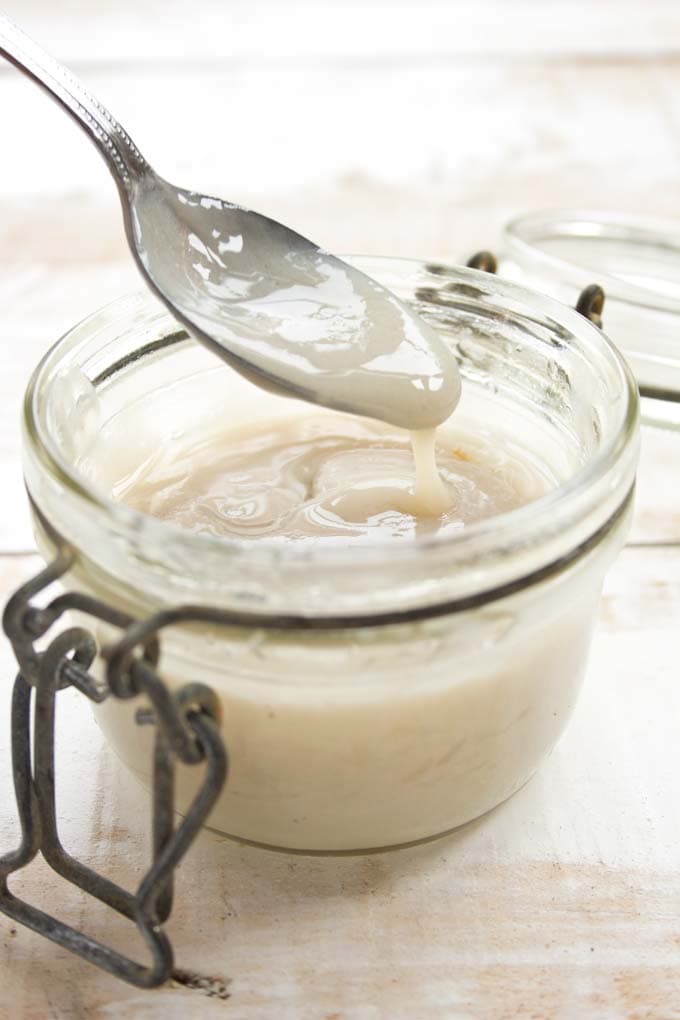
pixel 278 308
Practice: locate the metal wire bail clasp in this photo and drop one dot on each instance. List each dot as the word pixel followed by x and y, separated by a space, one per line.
pixel 186 729
pixel 590 302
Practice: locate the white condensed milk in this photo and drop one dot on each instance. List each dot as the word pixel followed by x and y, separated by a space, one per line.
pixel 322 477
pixel 337 743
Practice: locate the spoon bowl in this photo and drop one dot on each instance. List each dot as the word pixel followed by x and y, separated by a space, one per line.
pixel 287 314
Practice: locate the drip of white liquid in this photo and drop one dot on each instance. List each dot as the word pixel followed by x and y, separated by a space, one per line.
pixel 431 497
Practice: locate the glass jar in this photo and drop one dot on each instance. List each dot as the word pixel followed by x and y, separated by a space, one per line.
pixel 380 695
pixel 636 259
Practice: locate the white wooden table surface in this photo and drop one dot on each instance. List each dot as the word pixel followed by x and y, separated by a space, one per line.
pixel 392 127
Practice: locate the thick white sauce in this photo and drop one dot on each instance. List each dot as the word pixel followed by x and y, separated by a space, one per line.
pixel 328 478
pixel 351 740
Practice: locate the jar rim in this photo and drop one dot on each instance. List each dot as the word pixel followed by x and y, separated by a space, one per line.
pixel 521 527
pixel 525 233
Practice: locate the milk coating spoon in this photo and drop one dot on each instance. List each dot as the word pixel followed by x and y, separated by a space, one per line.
pixel 278 308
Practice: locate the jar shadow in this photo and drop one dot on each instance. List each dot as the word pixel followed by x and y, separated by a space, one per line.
pixel 298 875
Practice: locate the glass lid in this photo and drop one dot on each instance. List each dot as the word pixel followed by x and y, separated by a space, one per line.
pixel 636 260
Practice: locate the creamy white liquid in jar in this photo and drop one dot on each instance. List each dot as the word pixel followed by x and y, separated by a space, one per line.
pixel 321 477
pixel 353 740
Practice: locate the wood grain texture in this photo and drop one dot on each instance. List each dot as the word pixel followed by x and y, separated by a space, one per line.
pixel 406 129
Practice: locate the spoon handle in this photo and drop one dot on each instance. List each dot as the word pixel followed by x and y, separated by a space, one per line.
pixel 122 156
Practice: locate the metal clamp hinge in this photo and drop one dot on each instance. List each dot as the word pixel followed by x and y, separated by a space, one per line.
pixel 186 730
pixel 589 303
